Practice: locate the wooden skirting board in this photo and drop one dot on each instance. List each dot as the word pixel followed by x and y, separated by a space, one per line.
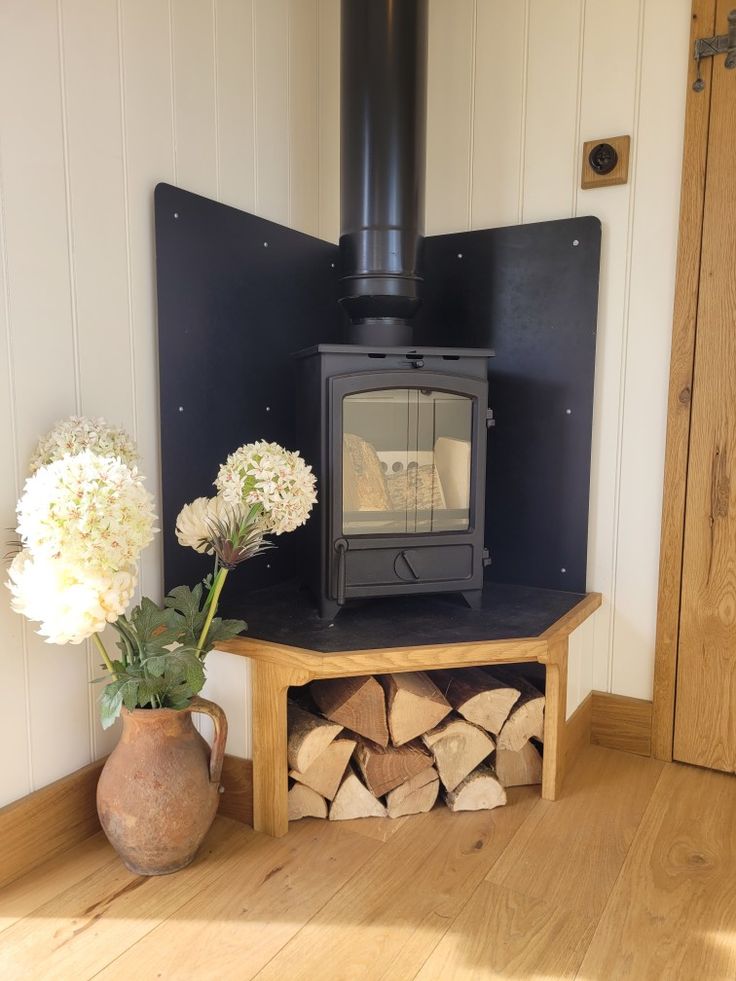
pixel 51 820
pixel 577 731
pixel 613 721
pixel 618 722
pixel 48 821
pixel 237 795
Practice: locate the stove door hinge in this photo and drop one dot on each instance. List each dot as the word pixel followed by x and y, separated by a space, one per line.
pixel 708 47
pixel 487 560
pixel 490 421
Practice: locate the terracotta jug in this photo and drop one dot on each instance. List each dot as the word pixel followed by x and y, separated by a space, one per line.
pixel 158 792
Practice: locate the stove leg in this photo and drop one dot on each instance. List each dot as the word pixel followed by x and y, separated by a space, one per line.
pixel 474 598
pixel 328 609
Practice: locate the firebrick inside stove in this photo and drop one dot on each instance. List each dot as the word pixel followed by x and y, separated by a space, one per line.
pixel 397 437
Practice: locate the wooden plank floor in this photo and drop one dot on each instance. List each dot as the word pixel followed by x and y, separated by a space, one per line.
pixel 631 875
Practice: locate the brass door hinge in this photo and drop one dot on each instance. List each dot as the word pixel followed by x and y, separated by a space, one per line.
pixel 708 47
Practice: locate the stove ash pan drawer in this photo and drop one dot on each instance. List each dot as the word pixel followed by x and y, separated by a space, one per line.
pixel 418 564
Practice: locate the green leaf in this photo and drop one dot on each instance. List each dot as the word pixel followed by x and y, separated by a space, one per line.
pixel 149 690
pixel 178 703
pixel 193 672
pixel 179 697
pixel 118 669
pixel 129 691
pixel 155 628
pixel 224 630
pixel 128 642
pixel 156 666
pixel 187 603
pixel 111 701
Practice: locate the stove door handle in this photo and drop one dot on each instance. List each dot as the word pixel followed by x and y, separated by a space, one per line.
pixel 341 547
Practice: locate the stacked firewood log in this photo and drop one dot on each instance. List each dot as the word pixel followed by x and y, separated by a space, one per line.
pixel 387 745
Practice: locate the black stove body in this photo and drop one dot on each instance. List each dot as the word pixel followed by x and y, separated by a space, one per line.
pixel 397 438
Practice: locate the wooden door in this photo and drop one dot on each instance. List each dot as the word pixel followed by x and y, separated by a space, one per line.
pixel 705 703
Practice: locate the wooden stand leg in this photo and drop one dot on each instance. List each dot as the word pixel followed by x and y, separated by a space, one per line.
pixel 555 712
pixel 270 768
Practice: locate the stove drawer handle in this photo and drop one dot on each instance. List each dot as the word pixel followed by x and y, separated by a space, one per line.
pixel 412 570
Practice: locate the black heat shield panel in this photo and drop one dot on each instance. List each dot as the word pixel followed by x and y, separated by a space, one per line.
pixel 531 293
pixel 231 311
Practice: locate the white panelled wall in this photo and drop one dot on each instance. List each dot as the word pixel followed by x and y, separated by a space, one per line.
pixel 99 101
pixel 238 100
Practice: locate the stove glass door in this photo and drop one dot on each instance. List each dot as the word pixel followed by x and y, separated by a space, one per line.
pixel 406 461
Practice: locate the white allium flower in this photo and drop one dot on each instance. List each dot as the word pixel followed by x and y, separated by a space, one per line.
pixel 88 510
pixel 77 433
pixel 277 479
pixel 196 522
pixel 70 602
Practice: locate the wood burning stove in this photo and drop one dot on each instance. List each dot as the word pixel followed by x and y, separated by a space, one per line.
pixel 397 437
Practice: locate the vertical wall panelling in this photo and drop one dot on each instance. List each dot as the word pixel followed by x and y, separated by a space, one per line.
pixel 15 719
pixel 196 121
pixel 98 233
pixel 97 208
pixel 272 102
pixel 228 684
pixel 328 105
pixel 449 116
pixel 303 116
pixel 44 366
pixel 654 226
pixel 500 80
pixel 609 110
pixel 550 157
pixel 147 99
pixel 575 655
pixel 580 665
pixel 98 103
pixel 234 76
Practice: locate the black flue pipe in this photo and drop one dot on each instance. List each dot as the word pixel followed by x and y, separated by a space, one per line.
pixel 383 110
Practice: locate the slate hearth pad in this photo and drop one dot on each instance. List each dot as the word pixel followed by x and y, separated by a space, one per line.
pixel 285 614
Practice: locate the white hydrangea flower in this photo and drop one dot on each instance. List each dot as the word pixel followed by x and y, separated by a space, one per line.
pixel 70 602
pixel 277 479
pixel 77 433
pixel 88 510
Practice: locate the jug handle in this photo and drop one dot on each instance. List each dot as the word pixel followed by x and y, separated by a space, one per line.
pixel 219 720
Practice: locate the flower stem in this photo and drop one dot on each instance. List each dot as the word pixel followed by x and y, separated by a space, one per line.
pixel 213 600
pixel 101 648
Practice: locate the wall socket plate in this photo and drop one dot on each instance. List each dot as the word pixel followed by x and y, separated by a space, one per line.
pixel 605 162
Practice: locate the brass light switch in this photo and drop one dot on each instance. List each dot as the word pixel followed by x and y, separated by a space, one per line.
pixel 605 162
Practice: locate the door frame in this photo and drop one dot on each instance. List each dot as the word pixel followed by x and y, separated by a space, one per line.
pixel 684 328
